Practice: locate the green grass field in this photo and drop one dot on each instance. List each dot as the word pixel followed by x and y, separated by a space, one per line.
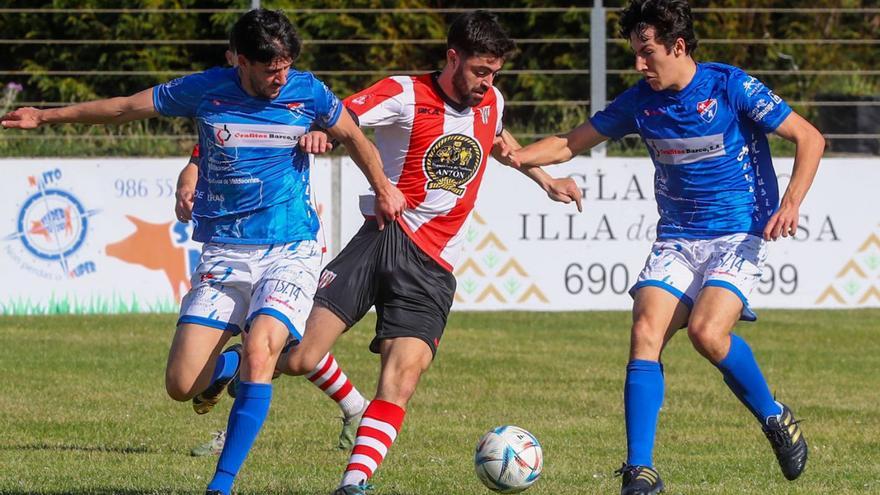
pixel 83 409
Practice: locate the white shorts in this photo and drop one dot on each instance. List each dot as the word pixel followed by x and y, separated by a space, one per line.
pixel 235 283
pixel 684 266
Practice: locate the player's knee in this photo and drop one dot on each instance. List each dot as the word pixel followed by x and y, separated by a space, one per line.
pixel 402 385
pixel 301 362
pixel 259 355
pixel 646 337
pixel 177 389
pixel 705 336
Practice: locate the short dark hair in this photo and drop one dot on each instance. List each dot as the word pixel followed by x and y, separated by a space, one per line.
pixel 479 32
pixel 263 35
pixel 671 19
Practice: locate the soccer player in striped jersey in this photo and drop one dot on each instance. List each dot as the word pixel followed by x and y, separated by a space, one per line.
pixel 705 127
pixel 434 133
pixel 260 259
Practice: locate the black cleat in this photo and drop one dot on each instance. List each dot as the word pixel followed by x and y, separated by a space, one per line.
pixel 639 480
pixel 213 492
pixel 788 443
pixel 205 401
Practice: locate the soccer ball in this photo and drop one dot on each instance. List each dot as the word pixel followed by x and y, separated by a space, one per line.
pixel 508 459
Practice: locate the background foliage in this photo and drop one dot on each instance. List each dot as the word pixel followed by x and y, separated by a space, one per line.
pixel 187 57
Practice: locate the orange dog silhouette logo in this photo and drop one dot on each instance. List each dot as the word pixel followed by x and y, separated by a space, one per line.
pixel 152 246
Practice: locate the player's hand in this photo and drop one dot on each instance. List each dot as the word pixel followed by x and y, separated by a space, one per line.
pixel 565 190
pixel 504 153
pixel 23 118
pixel 183 206
pixel 783 223
pixel 315 142
pixel 390 204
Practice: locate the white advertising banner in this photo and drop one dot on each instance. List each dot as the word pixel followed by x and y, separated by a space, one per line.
pixel 96 235
pixel 99 236
pixel 525 252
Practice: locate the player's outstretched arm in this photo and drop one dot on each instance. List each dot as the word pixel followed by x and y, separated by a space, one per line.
pixel 557 149
pixel 809 147
pixel 390 202
pixel 108 111
pixel 563 190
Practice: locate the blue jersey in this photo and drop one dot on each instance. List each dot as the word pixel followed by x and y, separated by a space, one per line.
pixel 713 171
pixel 253 185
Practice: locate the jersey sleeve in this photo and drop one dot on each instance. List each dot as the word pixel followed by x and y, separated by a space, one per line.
pixel 754 101
pixel 180 97
pixel 328 108
pixel 379 105
pixel 619 118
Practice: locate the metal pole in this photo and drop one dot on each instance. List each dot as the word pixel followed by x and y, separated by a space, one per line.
pixel 598 66
pixel 335 206
pixel 255 4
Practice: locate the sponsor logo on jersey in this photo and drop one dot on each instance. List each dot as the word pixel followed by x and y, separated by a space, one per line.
pixel 653 112
pixel 752 86
pixel 686 150
pixel 451 162
pixel 427 111
pixel 257 136
pixel 707 109
pixel 761 109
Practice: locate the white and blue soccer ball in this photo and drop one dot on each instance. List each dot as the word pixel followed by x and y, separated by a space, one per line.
pixel 508 459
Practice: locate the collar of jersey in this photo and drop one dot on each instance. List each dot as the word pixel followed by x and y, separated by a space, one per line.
pixel 684 92
pixel 458 107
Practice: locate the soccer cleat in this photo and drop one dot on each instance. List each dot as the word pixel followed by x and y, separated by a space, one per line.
pixel 788 443
pixel 211 447
pixel 213 492
pixel 639 480
pixel 360 489
pixel 205 401
pixel 349 429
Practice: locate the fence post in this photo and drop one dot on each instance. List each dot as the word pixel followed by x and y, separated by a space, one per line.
pixel 335 205
pixel 598 66
pixel 255 4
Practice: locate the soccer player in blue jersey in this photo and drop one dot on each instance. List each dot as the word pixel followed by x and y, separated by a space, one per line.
pixel 251 207
pixel 705 127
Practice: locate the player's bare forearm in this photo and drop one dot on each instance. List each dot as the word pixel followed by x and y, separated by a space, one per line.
pixel 390 202
pixel 108 111
pixel 809 147
pixel 361 150
pixel 561 148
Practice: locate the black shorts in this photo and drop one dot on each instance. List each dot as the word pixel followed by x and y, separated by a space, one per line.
pixel 412 292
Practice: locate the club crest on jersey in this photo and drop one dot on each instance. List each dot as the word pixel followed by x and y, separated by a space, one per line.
pixel 451 162
pixel 296 107
pixel 707 109
pixel 326 279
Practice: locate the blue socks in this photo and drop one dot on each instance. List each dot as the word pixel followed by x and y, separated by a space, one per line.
pixel 245 420
pixel 742 375
pixel 227 364
pixel 642 398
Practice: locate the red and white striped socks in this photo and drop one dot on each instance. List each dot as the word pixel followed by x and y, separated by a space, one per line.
pixel 328 376
pixel 378 429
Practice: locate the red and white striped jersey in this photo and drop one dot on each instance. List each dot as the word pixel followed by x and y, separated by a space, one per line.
pixel 435 151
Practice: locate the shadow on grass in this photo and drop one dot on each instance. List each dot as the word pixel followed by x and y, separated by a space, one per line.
pixel 81 448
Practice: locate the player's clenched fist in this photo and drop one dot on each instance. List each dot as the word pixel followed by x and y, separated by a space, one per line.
pixel 23 118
